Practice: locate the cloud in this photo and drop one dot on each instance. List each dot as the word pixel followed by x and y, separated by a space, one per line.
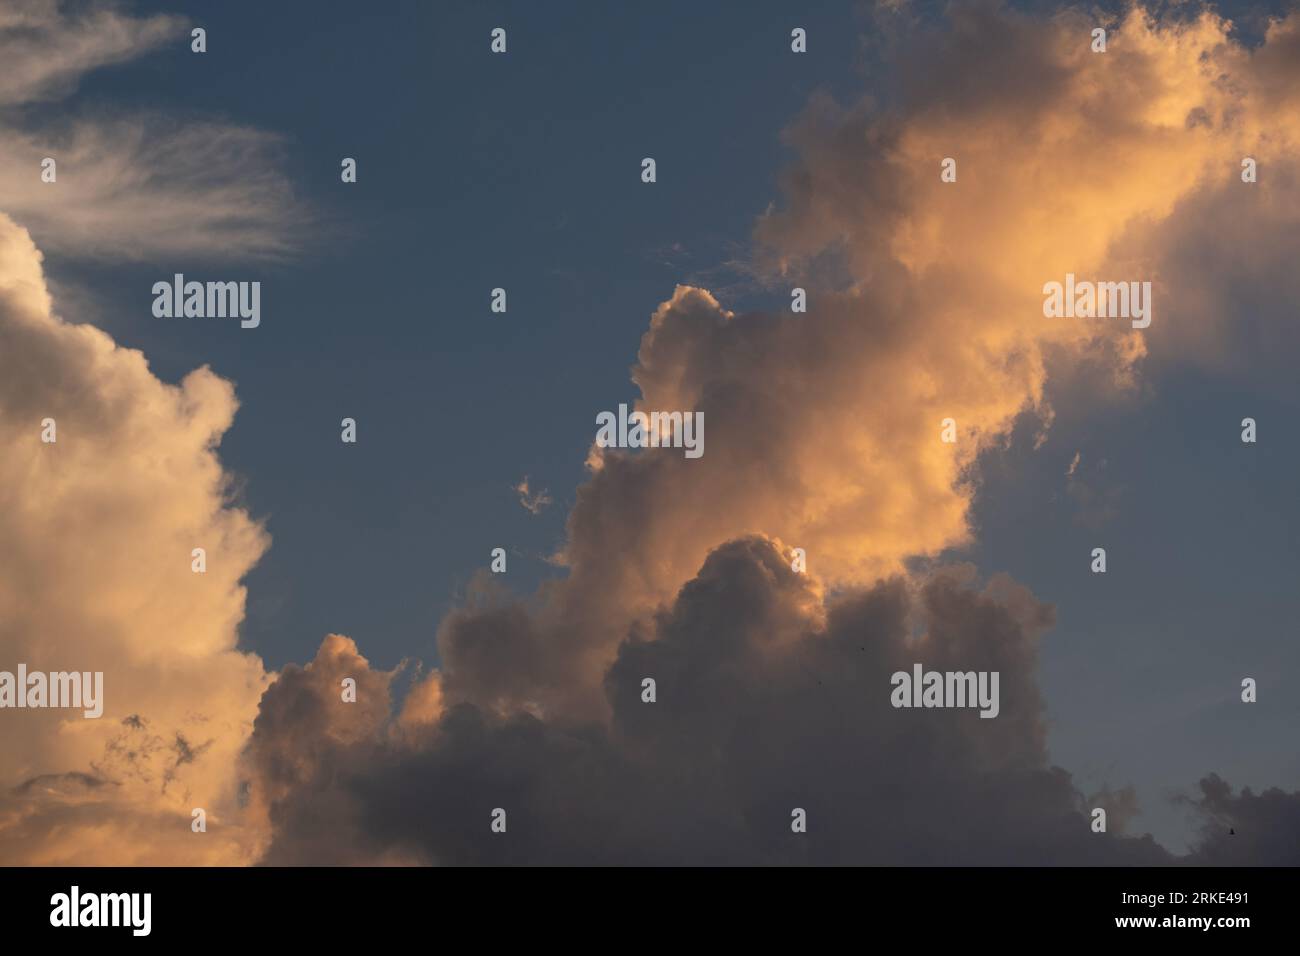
pixel 925 303
pixel 533 502
pixel 145 186
pixel 130 185
pixel 1246 829
pixel 305 729
pixel 97 529
pixel 767 700
pixel 46 50
pixel 96 535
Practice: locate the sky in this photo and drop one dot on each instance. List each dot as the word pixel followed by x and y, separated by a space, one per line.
pixel 521 690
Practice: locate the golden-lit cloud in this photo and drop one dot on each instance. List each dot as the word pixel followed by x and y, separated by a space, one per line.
pixel 925 304
pixel 98 528
pixel 305 728
pixel 96 537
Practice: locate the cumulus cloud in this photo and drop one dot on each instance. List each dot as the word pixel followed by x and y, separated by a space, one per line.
pixel 305 731
pixel 925 303
pixel 1246 829
pixel 98 528
pixel 773 686
pixel 768 699
pixel 96 536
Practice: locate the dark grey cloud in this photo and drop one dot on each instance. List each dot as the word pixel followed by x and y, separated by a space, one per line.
pixel 1246 828
pixel 767 700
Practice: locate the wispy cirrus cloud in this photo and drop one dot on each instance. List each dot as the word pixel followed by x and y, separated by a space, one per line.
pixel 130 185
pixel 47 46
